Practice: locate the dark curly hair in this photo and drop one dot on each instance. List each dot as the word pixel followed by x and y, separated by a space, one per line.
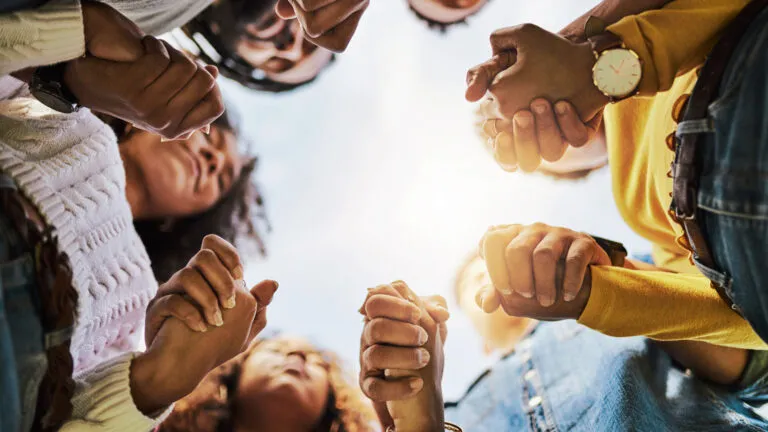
pixel 237 217
pixel 440 26
pixel 212 406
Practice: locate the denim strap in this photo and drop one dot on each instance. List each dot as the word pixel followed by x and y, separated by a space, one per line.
pixel 689 127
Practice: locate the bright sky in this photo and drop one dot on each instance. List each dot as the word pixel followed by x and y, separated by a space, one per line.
pixel 375 173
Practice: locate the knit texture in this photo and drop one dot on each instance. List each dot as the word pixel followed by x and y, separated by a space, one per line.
pixel 70 167
pixel 54 32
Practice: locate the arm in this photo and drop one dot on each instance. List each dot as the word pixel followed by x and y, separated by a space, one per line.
pixel 609 11
pixel 50 34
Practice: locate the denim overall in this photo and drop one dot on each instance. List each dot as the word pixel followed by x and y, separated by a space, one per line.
pixel 566 377
pixel 23 360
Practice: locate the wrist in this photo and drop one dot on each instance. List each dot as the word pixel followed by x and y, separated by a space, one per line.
pixel 148 393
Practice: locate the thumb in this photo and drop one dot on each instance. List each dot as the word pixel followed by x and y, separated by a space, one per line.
pixel 263 292
pixel 284 10
pixel 109 35
pixel 480 77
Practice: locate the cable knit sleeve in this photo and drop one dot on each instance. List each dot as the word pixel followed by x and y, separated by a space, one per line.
pixel 50 34
pixel 103 402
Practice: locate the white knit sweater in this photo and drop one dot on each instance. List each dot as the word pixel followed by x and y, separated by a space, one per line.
pixel 53 33
pixel 70 168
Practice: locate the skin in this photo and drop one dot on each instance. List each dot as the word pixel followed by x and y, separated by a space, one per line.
pixel 498 330
pixel 284 386
pixel 447 11
pixel 279 48
pixel 327 23
pixel 181 177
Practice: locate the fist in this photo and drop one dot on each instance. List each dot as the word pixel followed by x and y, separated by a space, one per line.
pixel 327 23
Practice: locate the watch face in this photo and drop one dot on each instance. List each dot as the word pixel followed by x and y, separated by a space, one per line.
pixel 617 72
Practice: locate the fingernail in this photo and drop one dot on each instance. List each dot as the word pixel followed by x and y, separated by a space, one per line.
pixel 164 139
pixel 423 357
pixel 526 294
pixel 505 291
pixel 237 272
pixel 546 300
pixel 230 303
pixel 568 296
pixel 218 319
pixel 202 328
pixel 415 384
pixel 206 129
pixel 561 108
pixel 523 120
pixel 540 108
pixel 423 337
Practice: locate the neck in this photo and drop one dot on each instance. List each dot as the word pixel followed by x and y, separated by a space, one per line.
pixel 135 195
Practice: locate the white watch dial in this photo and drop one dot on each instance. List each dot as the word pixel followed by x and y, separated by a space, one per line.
pixel 617 72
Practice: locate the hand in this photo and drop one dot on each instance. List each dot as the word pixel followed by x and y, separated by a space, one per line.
pixel 327 23
pixel 210 279
pixel 537 133
pixel 529 63
pixel 178 359
pixel 141 79
pixel 539 261
pixel 401 357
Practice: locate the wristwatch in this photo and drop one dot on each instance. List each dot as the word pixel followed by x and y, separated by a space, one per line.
pixel 48 87
pixel 615 250
pixel 618 70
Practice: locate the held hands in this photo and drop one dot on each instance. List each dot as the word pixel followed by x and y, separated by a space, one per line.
pixel 141 79
pixel 401 357
pixel 327 23
pixel 531 66
pixel 538 271
pixel 179 352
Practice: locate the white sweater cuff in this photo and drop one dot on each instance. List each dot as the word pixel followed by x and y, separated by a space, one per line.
pixel 50 34
pixel 103 401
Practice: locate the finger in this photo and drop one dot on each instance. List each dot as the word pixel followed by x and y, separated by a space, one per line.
pixel 437 308
pixel 180 71
pixel 264 292
pixel 192 283
pixel 213 70
pixel 488 299
pixel 577 259
pixel 284 10
pixel 574 130
pixel 489 108
pixel 395 308
pixel 259 324
pixel 492 249
pixel 381 289
pixel 338 38
pixel 504 151
pixel 226 252
pixel 313 5
pixel 526 146
pixel 382 390
pixel 405 291
pixel 196 94
pixel 391 357
pixel 325 18
pixel 490 127
pixel 154 63
pixel 507 39
pixel 390 332
pixel 519 254
pixel 218 276
pixel 545 263
pixel 173 306
pixel 551 145
pixel 480 77
pixel 205 112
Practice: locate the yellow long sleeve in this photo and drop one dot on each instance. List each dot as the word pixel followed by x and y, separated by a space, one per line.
pixel 676 38
pixel 664 306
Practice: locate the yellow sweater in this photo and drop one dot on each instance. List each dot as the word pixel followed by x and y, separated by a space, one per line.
pixel 665 306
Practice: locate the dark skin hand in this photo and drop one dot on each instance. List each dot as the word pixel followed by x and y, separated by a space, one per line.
pixel 327 23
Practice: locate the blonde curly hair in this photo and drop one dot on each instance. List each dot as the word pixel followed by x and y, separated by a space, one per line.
pixel 210 408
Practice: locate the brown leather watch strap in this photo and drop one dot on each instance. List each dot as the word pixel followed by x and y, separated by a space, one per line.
pixel 604 42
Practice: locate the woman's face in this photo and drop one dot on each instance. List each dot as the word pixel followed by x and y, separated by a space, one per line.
pixel 283 382
pixel 182 177
pixel 447 11
pixel 279 49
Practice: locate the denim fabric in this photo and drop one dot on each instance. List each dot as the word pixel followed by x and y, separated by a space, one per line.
pixel 733 193
pixel 566 377
pixel 21 334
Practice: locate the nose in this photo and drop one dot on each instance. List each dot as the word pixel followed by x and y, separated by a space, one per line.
pixel 214 159
pixel 289 42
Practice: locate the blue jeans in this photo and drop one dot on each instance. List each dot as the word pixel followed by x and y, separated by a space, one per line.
pixel 733 193
pixel 566 377
pixel 22 357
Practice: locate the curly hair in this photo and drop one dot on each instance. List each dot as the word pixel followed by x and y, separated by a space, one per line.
pixel 439 26
pixel 236 217
pixel 214 410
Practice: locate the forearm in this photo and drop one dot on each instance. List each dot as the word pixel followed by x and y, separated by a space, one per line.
pixel 610 11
